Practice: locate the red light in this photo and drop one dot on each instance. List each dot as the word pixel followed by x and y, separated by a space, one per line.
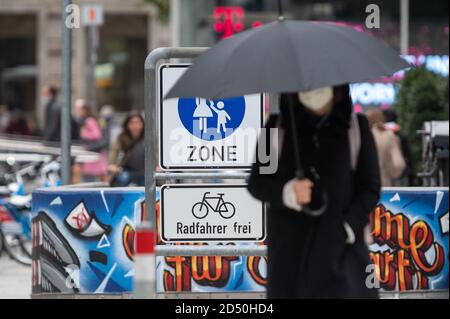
pixel 228 20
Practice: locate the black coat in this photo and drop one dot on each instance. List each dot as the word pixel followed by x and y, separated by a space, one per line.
pixel 52 130
pixel 308 256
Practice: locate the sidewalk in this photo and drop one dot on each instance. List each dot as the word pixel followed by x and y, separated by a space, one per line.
pixel 15 279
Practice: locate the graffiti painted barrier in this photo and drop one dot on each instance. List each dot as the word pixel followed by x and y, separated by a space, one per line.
pixel 410 231
pixel 83 242
pixel 410 251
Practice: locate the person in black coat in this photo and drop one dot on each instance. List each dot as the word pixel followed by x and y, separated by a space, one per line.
pixel 325 256
pixel 52 128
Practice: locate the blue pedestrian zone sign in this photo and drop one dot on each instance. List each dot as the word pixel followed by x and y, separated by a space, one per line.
pixel 211 120
pixel 199 133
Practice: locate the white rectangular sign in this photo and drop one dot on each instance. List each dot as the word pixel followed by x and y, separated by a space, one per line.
pixel 205 213
pixel 92 15
pixel 197 133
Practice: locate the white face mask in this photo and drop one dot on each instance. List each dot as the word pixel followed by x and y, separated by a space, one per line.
pixel 316 100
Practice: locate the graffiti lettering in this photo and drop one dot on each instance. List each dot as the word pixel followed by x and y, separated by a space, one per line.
pixel 253 266
pixel 211 271
pixel 405 262
pixel 181 279
pixel 204 270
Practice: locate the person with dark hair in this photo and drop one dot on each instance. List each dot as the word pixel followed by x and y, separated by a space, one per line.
pixel 310 254
pixel 126 155
pixel 52 116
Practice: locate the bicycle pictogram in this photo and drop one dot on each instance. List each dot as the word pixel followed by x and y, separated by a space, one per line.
pixel 225 209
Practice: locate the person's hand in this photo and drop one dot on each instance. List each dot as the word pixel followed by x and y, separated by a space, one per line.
pixel 303 190
pixel 113 168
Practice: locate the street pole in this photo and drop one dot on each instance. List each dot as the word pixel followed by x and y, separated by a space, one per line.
pixel 92 44
pixel 404 27
pixel 66 86
pixel 175 18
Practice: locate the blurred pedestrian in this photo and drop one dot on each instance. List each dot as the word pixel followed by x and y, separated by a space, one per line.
pixel 391 160
pixel 105 119
pixel 319 256
pixel 408 176
pixel 126 156
pixel 52 116
pixel 91 138
pixel 4 117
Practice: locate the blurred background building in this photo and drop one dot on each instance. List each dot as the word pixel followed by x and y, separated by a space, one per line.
pixel 30 51
pixel 30 41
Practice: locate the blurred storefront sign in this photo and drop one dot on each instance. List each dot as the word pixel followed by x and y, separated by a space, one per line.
pixel 231 20
pixel 104 74
pixel 382 93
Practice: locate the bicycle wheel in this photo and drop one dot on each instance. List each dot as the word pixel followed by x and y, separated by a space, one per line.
pixel 227 210
pixel 200 210
pixel 18 248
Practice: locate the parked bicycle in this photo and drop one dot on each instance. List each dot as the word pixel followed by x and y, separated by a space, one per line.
pixel 15 227
pixel 225 209
pixel 15 207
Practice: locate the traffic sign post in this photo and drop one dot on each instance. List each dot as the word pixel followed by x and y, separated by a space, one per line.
pixel 92 18
pixel 145 286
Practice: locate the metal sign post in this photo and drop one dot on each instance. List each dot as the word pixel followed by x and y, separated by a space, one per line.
pixel 145 283
pixel 66 80
pixel 93 18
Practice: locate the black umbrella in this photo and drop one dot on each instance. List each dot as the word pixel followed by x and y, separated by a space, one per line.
pixel 287 56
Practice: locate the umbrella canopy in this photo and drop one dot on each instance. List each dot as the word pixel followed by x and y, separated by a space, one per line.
pixel 287 56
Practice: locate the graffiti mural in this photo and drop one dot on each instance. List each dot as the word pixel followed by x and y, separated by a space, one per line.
pixel 212 274
pixel 410 232
pixel 83 240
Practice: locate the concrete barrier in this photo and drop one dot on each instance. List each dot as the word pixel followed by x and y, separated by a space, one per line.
pixel 83 247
